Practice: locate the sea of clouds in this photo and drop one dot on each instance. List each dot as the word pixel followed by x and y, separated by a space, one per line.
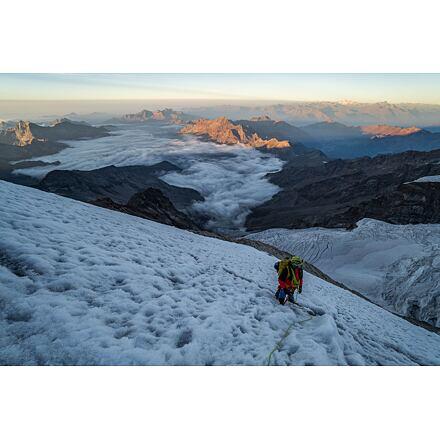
pixel 231 178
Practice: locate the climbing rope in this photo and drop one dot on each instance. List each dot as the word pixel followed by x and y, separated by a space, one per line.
pixel 286 333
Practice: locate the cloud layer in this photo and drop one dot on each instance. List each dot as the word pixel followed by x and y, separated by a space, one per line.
pixel 231 178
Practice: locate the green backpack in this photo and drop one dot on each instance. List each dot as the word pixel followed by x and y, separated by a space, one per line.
pixel 291 264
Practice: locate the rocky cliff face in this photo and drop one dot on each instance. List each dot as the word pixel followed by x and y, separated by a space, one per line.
pixel 20 135
pixel 342 192
pixel 25 133
pixel 224 131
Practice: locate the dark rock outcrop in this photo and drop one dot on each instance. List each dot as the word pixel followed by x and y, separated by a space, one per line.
pixel 36 148
pixel 341 192
pixel 117 183
pixel 409 203
pixel 268 128
pixel 151 204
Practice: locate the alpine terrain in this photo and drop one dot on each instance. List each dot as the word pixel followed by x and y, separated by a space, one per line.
pixel 83 285
pixel 397 266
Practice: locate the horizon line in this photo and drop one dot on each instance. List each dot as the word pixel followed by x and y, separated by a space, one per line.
pixel 340 101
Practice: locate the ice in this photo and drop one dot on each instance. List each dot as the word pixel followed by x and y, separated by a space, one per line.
pixel 82 285
pixel 395 265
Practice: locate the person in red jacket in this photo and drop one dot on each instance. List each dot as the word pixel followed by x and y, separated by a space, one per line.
pixel 290 278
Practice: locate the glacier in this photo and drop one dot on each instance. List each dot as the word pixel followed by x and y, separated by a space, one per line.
pixel 82 285
pixel 396 266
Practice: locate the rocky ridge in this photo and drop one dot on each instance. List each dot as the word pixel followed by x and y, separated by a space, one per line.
pixel 167 115
pixel 224 131
pixel 150 204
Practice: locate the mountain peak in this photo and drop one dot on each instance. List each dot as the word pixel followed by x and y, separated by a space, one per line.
pixel 165 115
pixel 224 131
pixel 382 130
pixel 261 118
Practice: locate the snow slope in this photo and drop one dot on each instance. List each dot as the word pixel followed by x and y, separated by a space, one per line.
pixel 83 285
pixel 397 266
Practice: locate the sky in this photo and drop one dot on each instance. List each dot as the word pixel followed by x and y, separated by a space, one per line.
pixel 396 88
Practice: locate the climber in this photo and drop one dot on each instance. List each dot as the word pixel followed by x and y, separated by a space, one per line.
pixel 290 278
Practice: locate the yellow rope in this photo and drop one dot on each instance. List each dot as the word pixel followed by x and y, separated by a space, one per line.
pixel 280 342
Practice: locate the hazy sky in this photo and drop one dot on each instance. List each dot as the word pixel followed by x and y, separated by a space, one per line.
pixel 424 88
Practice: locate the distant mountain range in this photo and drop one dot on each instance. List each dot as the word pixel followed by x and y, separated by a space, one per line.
pixel 316 190
pixel 346 112
pixel 341 141
pixel 333 139
pixel 166 115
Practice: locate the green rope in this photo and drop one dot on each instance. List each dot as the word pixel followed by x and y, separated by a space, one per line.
pixel 280 342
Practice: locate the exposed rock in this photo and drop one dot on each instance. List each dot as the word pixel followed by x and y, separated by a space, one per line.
pixel 7 171
pixel 25 133
pixel 267 128
pixel 388 130
pixel 166 115
pixel 117 183
pixel 341 192
pixel 410 203
pixel 262 134
pixel 151 204
pixel 224 131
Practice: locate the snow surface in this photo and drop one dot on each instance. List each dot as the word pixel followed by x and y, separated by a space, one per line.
pixel 83 285
pixel 428 179
pixel 397 266
pixel 232 178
